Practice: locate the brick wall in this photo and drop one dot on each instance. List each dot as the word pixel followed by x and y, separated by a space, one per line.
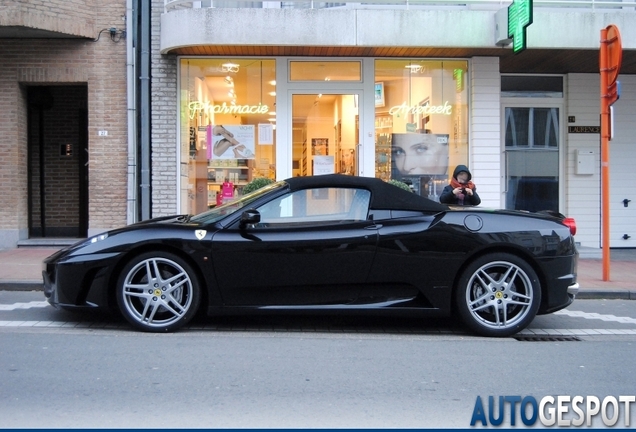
pixel 101 67
pixel 164 122
pixel 72 17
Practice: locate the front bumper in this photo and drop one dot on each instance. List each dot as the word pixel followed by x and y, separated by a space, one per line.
pixel 78 281
pixel 50 291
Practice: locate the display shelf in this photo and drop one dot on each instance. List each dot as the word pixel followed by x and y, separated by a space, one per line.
pixel 383 121
pixel 235 174
pixel 383 132
pixel 239 183
pixel 228 167
pixel 238 175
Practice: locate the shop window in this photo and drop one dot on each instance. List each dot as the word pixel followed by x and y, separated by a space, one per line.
pixel 227 128
pixel 325 71
pixel 421 121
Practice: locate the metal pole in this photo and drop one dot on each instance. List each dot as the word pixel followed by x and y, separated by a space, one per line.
pixel 605 136
pixel 144 108
pixel 131 102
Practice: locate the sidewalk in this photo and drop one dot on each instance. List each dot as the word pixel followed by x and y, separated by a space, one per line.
pixel 21 270
pixel 622 272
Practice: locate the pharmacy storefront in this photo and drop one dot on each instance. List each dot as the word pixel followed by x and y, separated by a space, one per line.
pixel 247 118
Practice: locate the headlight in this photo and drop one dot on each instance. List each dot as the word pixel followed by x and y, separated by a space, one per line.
pixel 88 242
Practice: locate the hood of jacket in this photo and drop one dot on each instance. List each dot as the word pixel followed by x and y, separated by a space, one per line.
pixel 460 168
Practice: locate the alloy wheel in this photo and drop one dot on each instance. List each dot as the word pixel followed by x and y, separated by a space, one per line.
pixel 157 294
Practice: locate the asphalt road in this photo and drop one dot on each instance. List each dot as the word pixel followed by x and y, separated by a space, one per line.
pixel 63 370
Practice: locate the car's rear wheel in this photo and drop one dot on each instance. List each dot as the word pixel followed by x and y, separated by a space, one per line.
pixel 158 292
pixel 498 295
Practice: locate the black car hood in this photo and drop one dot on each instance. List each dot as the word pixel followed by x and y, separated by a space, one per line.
pixel 115 239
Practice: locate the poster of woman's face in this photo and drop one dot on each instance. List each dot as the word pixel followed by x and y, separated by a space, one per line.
pixel 416 153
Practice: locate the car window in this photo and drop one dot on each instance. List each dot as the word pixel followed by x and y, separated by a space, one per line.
pixel 316 206
pixel 218 213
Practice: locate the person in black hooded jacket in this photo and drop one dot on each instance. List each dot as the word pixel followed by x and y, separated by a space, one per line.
pixel 460 191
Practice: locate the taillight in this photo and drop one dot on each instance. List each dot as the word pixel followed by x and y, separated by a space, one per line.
pixel 570 223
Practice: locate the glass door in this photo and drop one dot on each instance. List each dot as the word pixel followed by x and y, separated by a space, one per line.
pixel 531 151
pixel 325 134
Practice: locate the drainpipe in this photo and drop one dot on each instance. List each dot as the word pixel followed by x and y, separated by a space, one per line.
pixel 131 25
pixel 144 107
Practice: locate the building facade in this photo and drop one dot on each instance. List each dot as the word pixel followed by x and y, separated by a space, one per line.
pixel 390 82
pixel 197 98
pixel 63 121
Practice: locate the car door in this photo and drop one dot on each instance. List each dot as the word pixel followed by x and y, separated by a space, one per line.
pixel 312 247
pixel 419 252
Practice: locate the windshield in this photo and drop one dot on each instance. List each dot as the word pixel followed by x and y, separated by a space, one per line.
pixel 218 213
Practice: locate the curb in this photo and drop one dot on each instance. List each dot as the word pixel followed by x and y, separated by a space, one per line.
pixel 595 294
pixel 21 285
pixel 583 294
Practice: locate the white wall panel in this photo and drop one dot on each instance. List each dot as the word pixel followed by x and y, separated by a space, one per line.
pixel 409 27
pixel 582 192
pixel 485 113
pixel 622 162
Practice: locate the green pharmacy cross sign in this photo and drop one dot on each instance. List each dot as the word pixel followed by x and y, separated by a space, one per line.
pixel 519 18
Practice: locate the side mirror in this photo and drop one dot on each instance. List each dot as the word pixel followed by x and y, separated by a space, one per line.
pixel 250 217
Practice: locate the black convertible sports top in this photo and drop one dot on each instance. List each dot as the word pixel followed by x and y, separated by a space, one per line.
pixel 384 196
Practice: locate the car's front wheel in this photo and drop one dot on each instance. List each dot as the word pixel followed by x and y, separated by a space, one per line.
pixel 158 292
pixel 498 295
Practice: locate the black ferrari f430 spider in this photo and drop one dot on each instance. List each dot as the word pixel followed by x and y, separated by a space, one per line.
pixel 326 244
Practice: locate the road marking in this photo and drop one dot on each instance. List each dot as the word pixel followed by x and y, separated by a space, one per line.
pixel 528 331
pixel 214 328
pixel 29 305
pixel 594 315
pixel 60 324
pixel 575 314
pixel 575 332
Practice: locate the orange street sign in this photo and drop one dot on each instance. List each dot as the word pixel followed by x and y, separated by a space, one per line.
pixel 614 54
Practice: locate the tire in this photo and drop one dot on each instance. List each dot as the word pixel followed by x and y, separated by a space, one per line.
pixel 498 295
pixel 158 292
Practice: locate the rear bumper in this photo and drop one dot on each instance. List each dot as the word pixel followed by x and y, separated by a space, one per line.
pixel 561 286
